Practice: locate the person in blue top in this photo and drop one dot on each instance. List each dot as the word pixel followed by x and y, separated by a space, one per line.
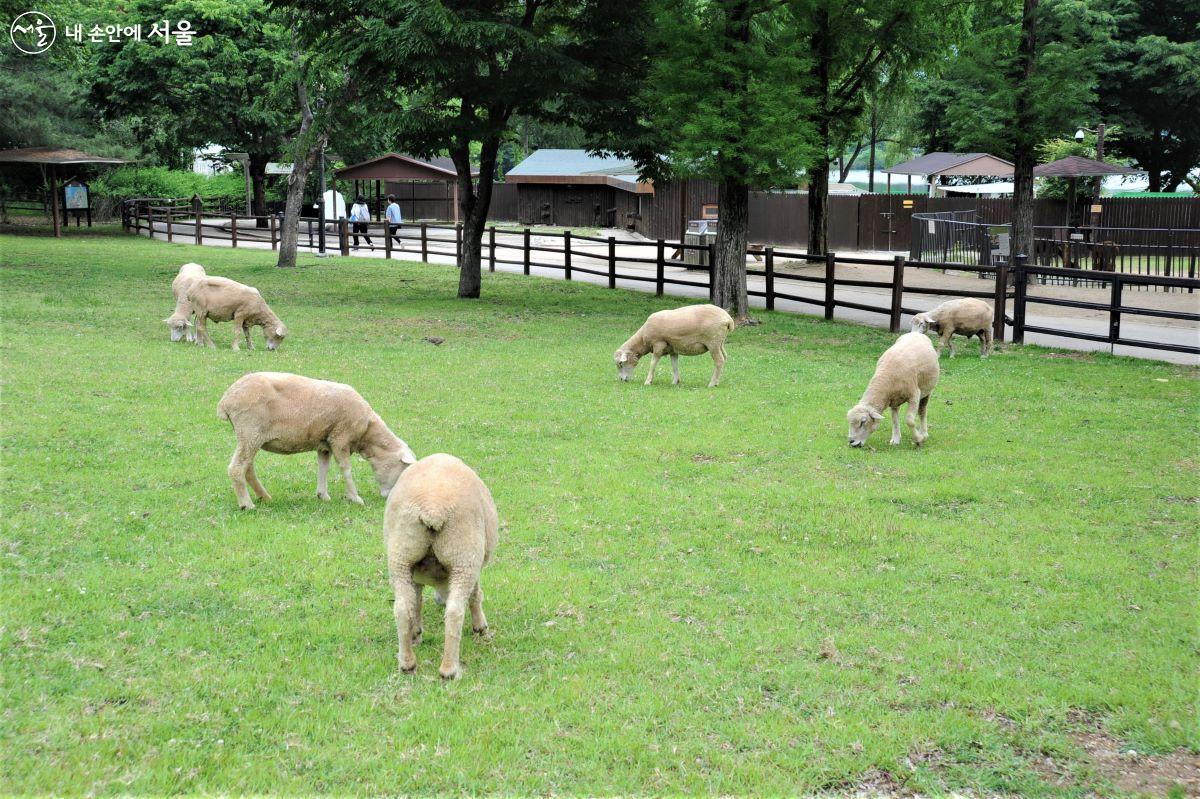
pixel 360 215
pixel 394 219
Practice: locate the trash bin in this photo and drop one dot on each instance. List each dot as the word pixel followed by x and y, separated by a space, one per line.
pixel 700 232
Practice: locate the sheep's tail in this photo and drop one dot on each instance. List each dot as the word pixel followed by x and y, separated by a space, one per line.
pixel 434 518
pixel 222 413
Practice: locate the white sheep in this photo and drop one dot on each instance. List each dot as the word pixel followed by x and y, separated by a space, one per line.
pixel 440 527
pixel 286 414
pixel 691 330
pixel 905 373
pixel 180 322
pixel 966 317
pixel 221 299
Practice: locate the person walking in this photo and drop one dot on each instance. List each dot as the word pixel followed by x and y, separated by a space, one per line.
pixel 360 215
pixel 394 219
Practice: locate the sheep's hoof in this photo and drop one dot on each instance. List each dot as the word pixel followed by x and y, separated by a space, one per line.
pixel 894 441
pixel 484 631
pixel 452 673
pixel 323 496
pixel 408 668
pixel 357 500
pixel 247 506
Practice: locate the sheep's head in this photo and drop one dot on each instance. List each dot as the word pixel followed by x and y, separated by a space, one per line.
pixel 275 334
pixel 179 327
pixel 626 363
pixel 923 322
pixel 864 420
pixel 389 468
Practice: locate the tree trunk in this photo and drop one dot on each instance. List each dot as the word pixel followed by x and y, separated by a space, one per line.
pixel 258 179
pixel 818 174
pixel 729 267
pixel 1024 157
pixel 874 136
pixel 1154 176
pixel 305 151
pixel 473 206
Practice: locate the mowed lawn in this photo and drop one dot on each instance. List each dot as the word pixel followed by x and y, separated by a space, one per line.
pixel 695 591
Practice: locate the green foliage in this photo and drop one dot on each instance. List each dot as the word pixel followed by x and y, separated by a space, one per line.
pixel 162 182
pixel 1150 86
pixel 725 103
pixel 696 592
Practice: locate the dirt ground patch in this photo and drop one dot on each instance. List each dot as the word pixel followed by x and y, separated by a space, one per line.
pixel 1131 772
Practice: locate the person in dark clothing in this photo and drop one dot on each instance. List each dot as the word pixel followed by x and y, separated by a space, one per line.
pixel 360 215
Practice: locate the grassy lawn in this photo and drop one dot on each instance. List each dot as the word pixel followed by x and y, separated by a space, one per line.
pixel 695 590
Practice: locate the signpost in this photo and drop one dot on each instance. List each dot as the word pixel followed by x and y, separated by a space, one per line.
pixel 76 201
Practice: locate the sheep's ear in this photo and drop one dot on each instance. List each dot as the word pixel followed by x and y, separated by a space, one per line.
pixel 167 320
pixel 407 457
pixel 876 415
pixel 280 331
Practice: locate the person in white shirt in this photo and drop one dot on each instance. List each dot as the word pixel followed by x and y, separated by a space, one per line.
pixel 360 215
pixel 394 219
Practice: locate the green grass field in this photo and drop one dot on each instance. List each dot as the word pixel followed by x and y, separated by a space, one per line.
pixel 695 591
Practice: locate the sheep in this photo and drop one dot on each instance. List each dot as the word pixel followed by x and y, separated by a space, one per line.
pixel 287 413
pixel 440 527
pixel 966 317
pixel 691 330
pixel 907 372
pixel 180 322
pixel 221 299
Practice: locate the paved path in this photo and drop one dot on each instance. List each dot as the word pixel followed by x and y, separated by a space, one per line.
pixel 594 255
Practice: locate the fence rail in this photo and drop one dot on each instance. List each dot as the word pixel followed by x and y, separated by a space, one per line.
pixel 596 256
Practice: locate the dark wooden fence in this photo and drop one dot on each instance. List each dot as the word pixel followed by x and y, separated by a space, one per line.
pixel 597 256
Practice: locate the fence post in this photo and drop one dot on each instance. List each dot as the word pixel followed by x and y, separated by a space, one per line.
pixel 1114 312
pixel 567 255
pixel 344 235
pixel 198 212
pixel 612 262
pixel 897 293
pixel 170 230
pixel 1019 279
pixel 458 243
pixel 425 242
pixel 274 225
pixel 492 248
pixel 712 271
pixel 387 239
pixel 1170 249
pixel 233 228
pixel 769 257
pixel 525 257
pixel 999 301
pixel 830 266
pixel 660 266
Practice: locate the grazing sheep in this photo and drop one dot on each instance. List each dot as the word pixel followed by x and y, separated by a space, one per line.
pixel 907 372
pixel 180 322
pixel 680 331
pixel 221 299
pixel 287 413
pixel 440 527
pixel 966 317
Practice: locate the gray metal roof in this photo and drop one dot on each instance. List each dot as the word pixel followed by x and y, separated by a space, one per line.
pixel 568 163
pixel 959 163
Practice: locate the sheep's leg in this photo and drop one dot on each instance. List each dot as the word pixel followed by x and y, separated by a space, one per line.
pixel 895 426
pixel 718 356
pixel 202 336
pixel 343 460
pixel 654 356
pixel 456 603
pixel 323 474
pixel 985 343
pixel 259 491
pixel 418 627
pixel 239 327
pixel 189 328
pixel 910 418
pixel 922 411
pixel 249 341
pixel 243 456
pixel 947 338
pixel 674 369
pixel 478 620
pixel 405 592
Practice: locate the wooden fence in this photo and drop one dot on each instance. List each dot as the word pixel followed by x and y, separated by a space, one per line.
pixel 596 256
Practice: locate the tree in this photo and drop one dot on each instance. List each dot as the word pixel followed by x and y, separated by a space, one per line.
pixel 224 89
pixel 860 47
pixel 725 100
pixel 1150 86
pixel 463 68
